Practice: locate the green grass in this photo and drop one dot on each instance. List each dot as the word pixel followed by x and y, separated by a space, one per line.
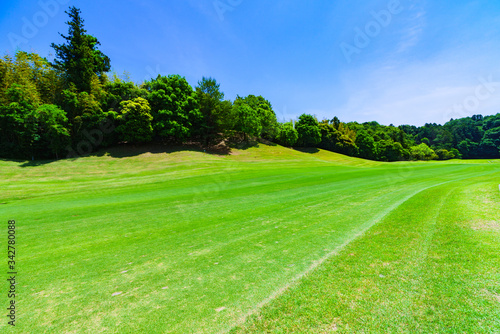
pixel 266 240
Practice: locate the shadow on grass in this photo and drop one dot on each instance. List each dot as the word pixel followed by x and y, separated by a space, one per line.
pixel 250 143
pixel 28 163
pixel 310 150
pixel 130 150
pixel 34 163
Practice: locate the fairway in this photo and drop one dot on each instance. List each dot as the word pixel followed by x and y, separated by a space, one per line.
pixel 266 239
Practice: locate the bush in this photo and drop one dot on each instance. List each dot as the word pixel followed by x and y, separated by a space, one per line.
pixel 445 154
pixel 287 135
pixel 423 152
pixel 308 129
pixel 135 121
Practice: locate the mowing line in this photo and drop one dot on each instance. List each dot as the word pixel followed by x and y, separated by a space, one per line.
pixel 427 242
pixel 317 263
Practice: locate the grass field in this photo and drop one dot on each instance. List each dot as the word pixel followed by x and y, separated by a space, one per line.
pixel 267 239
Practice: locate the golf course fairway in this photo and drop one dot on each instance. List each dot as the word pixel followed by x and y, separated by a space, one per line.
pixel 267 239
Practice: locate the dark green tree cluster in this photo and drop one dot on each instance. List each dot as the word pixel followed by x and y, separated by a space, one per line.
pixel 31 120
pixel 368 140
pixel 471 137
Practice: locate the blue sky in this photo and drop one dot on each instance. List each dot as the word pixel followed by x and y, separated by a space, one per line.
pixel 399 62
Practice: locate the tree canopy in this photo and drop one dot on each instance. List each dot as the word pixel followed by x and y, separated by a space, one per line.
pixel 174 107
pixel 308 130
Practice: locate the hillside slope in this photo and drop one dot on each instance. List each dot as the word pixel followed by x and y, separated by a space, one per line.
pixel 187 241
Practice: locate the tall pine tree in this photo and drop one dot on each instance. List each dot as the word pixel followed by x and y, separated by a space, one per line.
pixel 78 58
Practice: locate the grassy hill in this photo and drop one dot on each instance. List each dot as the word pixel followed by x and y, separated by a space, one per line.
pixel 137 240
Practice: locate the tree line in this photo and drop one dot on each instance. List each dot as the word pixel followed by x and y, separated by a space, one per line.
pixel 47 109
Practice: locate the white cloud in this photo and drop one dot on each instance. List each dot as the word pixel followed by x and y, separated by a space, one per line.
pixel 421 92
pixel 415 29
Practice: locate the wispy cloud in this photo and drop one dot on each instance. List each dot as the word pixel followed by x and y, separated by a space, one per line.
pixel 421 92
pixel 415 28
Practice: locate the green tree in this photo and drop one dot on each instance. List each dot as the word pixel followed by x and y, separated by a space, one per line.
pixel 444 140
pixel 491 122
pixel 423 152
pixel 33 73
pixel 174 107
pixel 330 136
pixel 265 115
pixel 213 109
pixel 336 140
pixel 287 135
pixel 18 125
pixel 444 154
pixel 247 120
pixel 117 91
pixel 336 122
pixel 308 129
pixel 19 79
pixel 52 131
pixel 87 113
pixel 226 118
pixel 490 144
pixel 79 58
pixel 456 153
pixel 389 150
pixel 135 121
pixel 346 142
pixel 468 149
pixel 366 145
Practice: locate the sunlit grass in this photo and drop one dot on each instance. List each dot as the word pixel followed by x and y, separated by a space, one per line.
pixel 195 242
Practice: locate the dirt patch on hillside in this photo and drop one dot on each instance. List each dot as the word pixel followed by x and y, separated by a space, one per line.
pixel 491 294
pixel 486 225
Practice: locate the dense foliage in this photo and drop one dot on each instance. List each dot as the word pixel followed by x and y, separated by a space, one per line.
pixel 71 107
